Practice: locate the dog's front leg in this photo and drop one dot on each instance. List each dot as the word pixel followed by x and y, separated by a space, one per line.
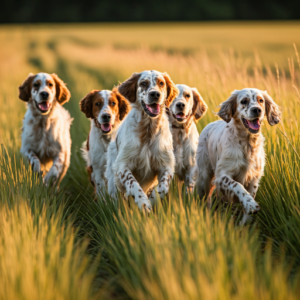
pixel 164 180
pixel 56 169
pixel 99 181
pixel 190 179
pixel 34 161
pixel 234 190
pixel 133 189
pixel 252 187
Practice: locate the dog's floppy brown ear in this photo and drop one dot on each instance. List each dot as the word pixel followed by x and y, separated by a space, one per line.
pixel 129 87
pixel 273 112
pixel 124 105
pixel 228 107
pixel 199 106
pixel 62 93
pixel 86 104
pixel 25 88
pixel 172 91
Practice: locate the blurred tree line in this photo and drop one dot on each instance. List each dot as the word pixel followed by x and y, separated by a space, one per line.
pixel 19 11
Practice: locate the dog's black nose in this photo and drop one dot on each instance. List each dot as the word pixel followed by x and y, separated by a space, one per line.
pixel 256 110
pixel 154 94
pixel 106 117
pixel 44 95
pixel 180 105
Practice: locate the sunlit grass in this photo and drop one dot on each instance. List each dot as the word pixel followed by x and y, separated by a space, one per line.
pixel 182 250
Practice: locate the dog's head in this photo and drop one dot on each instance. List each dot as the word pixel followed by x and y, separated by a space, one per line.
pixel 43 90
pixel 250 106
pixel 106 107
pixel 188 103
pixel 150 90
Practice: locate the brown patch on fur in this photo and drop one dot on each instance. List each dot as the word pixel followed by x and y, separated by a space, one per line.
pixel 228 107
pixel 199 106
pixel 123 104
pixel 25 88
pixel 258 98
pixel 273 112
pixel 235 199
pixel 129 87
pixel 87 104
pixel 62 93
pixel 90 171
pixel 172 91
pixel 88 142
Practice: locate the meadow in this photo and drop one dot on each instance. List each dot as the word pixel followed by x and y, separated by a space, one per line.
pixel 61 244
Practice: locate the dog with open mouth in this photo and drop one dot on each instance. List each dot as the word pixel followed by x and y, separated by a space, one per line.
pixel 187 109
pixel 142 153
pixel 106 109
pixel 230 154
pixel 46 140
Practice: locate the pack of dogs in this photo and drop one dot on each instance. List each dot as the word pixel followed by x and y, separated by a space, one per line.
pixel 144 131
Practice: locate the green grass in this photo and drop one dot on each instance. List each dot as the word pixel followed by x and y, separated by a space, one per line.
pixel 64 245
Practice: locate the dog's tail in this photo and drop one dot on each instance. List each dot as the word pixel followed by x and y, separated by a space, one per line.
pixel 85 153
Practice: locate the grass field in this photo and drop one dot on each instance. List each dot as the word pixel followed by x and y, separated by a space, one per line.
pixel 64 245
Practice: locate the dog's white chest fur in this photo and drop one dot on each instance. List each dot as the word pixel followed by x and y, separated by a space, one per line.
pixel 185 147
pixel 46 135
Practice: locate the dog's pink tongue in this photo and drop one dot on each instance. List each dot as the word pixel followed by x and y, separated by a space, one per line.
pixel 154 108
pixel 106 127
pixel 44 105
pixel 180 115
pixel 254 124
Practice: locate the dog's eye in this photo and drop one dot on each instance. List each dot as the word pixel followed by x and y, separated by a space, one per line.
pixel 261 100
pixel 36 85
pixel 187 96
pixel 144 83
pixel 161 83
pixel 98 103
pixel 50 84
pixel 244 101
pixel 113 104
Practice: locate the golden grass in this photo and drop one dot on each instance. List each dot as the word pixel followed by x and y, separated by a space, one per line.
pixel 181 251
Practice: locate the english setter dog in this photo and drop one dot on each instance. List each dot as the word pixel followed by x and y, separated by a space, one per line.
pixel 185 110
pixel 232 151
pixel 142 152
pixel 106 109
pixel 46 140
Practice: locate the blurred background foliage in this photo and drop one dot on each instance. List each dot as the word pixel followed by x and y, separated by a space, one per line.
pixel 19 11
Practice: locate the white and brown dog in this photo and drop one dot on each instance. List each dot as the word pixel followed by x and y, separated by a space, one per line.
pixel 106 109
pixel 232 150
pixel 185 110
pixel 46 140
pixel 142 152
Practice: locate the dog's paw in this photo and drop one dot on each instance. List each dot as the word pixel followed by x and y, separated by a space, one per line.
pixel 51 175
pixel 147 207
pixel 144 204
pixel 246 219
pixel 36 166
pixel 190 189
pixel 251 206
